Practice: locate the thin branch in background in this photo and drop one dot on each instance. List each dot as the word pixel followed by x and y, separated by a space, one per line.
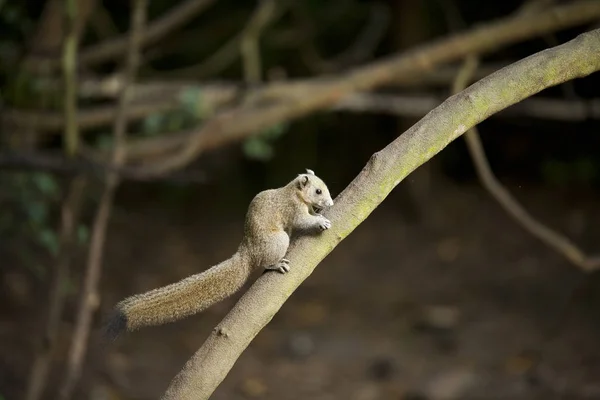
pixel 238 123
pixel 249 44
pixel 71 136
pixel 207 368
pixel 229 52
pixel 549 237
pixel 113 48
pixel 58 164
pixel 44 53
pixel 359 51
pixel 69 216
pixel 89 293
pixel 417 105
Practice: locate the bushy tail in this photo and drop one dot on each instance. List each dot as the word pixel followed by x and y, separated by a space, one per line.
pixel 179 300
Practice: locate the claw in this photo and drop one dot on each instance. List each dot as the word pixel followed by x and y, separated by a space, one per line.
pixel 283 265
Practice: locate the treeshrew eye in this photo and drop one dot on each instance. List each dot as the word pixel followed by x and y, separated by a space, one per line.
pixel 319 191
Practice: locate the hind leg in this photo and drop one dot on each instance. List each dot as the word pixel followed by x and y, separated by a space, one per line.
pixel 275 256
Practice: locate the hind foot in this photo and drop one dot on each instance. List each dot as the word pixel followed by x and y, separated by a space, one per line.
pixel 282 266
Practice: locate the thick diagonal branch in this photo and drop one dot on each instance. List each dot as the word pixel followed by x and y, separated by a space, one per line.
pixel 386 169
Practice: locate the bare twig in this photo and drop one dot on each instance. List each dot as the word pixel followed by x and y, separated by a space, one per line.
pixel 47 40
pixel 360 50
pixel 69 217
pixel 71 136
pixel 417 105
pixel 70 209
pixel 156 97
pixel 267 13
pixel 238 123
pixel 305 96
pixel 179 15
pixel 249 45
pixel 385 170
pixel 90 296
pixel 549 237
pixel 52 162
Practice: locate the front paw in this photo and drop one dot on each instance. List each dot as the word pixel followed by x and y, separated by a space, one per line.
pixel 324 224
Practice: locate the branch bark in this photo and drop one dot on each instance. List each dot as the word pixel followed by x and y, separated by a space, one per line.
pixel 385 170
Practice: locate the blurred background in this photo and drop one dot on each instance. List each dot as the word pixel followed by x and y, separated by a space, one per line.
pixel 439 294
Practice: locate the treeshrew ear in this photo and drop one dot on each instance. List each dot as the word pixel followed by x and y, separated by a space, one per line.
pixel 302 181
pixel 310 171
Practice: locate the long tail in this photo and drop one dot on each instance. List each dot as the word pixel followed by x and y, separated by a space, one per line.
pixel 179 300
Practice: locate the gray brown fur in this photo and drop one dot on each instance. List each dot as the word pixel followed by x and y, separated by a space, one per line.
pixel 271 218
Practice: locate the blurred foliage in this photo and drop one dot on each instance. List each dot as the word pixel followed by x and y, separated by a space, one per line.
pixel 192 111
pixel 33 199
pixel 260 147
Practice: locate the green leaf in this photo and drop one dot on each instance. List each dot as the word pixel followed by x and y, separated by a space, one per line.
pixel 175 122
pixel 83 234
pixel 153 124
pixel 37 212
pixel 192 102
pixel 104 142
pixel 49 240
pixel 68 287
pixel 258 149
pixel 275 131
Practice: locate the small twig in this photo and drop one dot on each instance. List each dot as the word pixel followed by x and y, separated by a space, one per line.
pixel 113 48
pixel 417 105
pixel 360 50
pixel 230 51
pixel 238 123
pixel 69 217
pixel 90 296
pixel 551 238
pixel 249 44
pixel 55 163
pixel 71 136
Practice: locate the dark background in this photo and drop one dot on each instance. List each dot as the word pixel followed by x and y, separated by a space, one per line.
pixel 438 294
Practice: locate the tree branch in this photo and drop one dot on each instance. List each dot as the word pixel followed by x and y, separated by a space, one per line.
pixel 301 97
pixel 71 40
pixel 249 44
pixel 90 296
pixel 52 162
pixel 69 217
pixel 359 51
pixel 549 237
pixel 384 171
pixel 171 21
pixel 235 124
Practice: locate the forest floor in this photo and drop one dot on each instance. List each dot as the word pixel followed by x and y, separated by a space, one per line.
pixel 457 308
